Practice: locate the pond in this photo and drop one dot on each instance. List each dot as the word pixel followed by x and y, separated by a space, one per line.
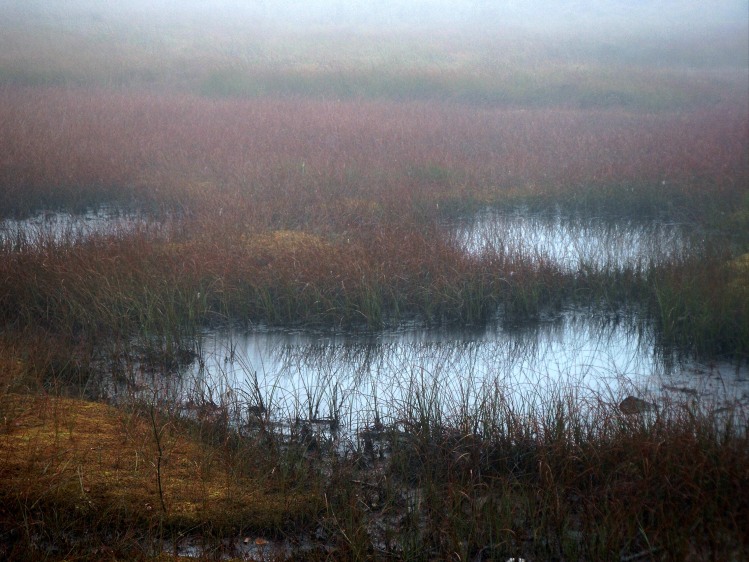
pixel 359 379
pixel 574 242
pixel 58 227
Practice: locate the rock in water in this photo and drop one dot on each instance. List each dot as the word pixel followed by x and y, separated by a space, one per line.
pixel 633 405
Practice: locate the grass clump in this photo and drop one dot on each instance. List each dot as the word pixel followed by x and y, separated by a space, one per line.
pixel 558 481
pixel 703 305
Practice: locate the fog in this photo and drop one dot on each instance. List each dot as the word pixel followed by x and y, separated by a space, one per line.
pixel 622 18
pixel 569 14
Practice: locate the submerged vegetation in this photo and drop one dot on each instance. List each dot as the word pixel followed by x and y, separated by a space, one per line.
pixel 237 190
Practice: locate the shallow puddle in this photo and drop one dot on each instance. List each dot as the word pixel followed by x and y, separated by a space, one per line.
pixel 573 243
pixel 55 227
pixel 348 381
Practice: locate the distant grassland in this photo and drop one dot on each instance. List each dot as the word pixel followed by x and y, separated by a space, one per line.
pixel 302 173
pixel 224 57
pixel 327 212
pixel 284 161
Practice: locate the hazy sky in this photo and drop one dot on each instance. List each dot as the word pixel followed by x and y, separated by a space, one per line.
pixel 525 13
pixel 705 33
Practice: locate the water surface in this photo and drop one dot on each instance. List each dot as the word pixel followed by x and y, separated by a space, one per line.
pixel 574 242
pixel 355 378
pixel 58 227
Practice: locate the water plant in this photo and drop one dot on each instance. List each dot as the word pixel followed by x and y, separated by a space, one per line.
pixel 332 198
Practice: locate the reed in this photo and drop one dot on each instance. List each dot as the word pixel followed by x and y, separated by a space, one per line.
pixel 303 196
pixel 702 305
pixel 447 467
pixel 163 288
pixel 549 480
pixel 80 147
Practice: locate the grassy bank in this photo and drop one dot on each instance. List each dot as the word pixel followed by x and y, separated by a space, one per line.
pixel 87 480
pixel 122 482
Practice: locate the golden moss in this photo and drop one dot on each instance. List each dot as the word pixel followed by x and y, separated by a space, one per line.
pixel 287 241
pixel 740 265
pixel 286 246
pixel 92 458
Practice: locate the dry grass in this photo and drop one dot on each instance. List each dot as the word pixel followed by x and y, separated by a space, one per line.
pixel 322 206
pixel 68 463
pixel 360 184
pixel 291 164
pixel 560 480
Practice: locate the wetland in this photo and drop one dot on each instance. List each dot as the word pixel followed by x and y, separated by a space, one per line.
pixel 409 294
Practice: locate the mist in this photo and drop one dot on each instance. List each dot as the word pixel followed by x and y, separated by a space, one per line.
pixel 690 33
pixel 570 14
pixel 398 280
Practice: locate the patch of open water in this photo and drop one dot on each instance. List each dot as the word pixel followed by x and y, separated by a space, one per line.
pixel 57 227
pixel 571 242
pixel 356 379
pixel 316 377
pixel 341 382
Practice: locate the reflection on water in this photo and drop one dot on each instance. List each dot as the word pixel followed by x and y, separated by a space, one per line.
pixel 53 227
pixel 356 378
pixel 572 242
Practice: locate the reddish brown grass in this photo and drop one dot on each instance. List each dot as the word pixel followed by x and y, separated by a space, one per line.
pixel 290 159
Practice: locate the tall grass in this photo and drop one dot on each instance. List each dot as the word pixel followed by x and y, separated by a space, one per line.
pixel 289 162
pixel 702 307
pixel 326 206
pixel 463 471
pixel 547 480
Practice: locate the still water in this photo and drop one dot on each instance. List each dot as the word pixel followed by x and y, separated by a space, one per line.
pixel 56 227
pixel 357 378
pixel 575 242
